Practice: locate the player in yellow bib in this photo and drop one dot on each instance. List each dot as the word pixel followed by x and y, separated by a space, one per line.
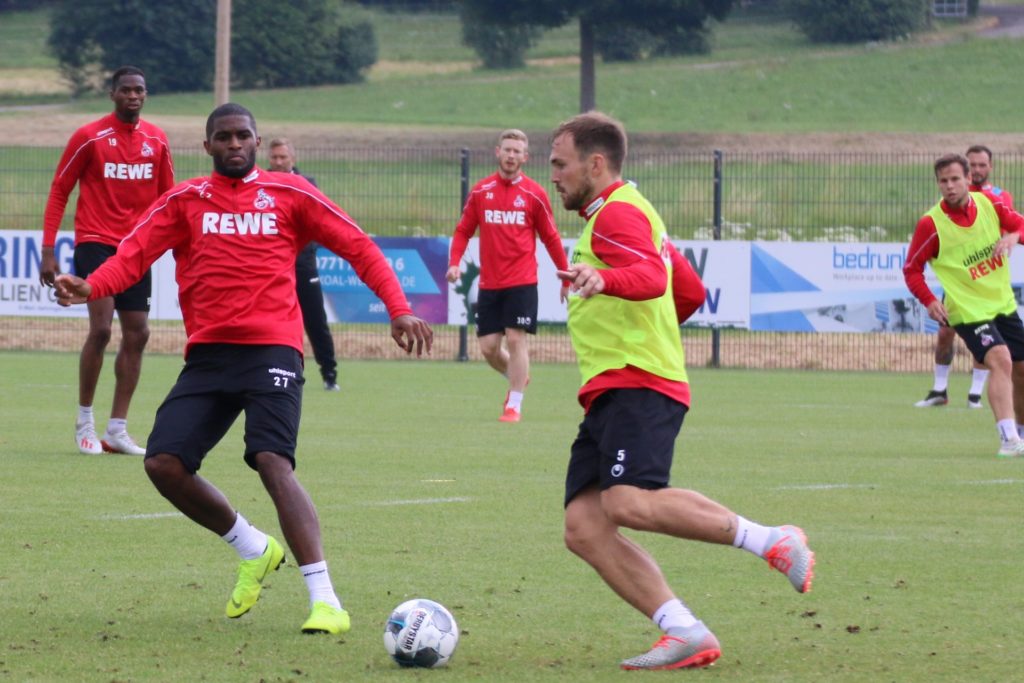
pixel 630 290
pixel 967 238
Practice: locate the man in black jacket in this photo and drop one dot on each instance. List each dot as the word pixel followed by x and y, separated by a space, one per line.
pixel 307 280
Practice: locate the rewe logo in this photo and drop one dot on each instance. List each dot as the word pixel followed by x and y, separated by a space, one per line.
pixel 505 217
pixel 248 223
pixel 127 171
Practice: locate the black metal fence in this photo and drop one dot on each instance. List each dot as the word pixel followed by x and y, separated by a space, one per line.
pixel 726 194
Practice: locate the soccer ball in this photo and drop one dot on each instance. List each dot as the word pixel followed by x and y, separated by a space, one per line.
pixel 421 633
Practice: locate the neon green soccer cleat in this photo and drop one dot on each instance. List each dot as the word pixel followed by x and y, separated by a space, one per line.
pixel 327 619
pixel 250 578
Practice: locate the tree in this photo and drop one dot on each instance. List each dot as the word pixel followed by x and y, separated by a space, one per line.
pixel 662 21
pixel 853 21
pixel 171 41
pixel 274 44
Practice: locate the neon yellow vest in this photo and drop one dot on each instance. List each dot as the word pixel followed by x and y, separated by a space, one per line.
pixel 977 284
pixel 609 333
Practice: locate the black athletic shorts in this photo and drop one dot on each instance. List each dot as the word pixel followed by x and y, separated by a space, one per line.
pixel 982 336
pixel 90 255
pixel 627 437
pixel 501 309
pixel 220 381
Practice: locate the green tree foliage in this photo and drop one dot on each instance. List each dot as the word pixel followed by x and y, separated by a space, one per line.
pixel 618 30
pixel 171 41
pixel 274 44
pixel 853 21
pixel 301 42
pixel 499 45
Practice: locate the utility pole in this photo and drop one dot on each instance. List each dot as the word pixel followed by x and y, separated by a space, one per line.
pixel 222 61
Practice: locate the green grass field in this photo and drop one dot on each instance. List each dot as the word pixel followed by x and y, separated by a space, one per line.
pixel 421 492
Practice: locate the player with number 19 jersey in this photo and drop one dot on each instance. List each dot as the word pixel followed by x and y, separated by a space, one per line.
pixel 236 259
pixel 120 168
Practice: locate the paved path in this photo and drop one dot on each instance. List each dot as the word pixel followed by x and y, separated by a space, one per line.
pixel 1011 20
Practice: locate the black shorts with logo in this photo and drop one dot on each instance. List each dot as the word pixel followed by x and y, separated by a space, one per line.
pixel 979 337
pixel 501 309
pixel 91 255
pixel 627 437
pixel 218 382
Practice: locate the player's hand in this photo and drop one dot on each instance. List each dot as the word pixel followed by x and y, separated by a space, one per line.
pixel 563 293
pixel 1006 243
pixel 937 312
pixel 48 268
pixel 409 331
pixel 452 275
pixel 584 279
pixel 72 289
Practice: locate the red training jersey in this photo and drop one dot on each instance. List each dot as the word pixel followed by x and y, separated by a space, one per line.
pixel 622 239
pixel 235 241
pixel 120 169
pixel 924 245
pixel 511 214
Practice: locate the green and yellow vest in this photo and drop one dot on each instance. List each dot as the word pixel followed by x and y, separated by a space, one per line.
pixel 609 333
pixel 977 284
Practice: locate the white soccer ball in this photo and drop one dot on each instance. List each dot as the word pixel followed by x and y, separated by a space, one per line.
pixel 421 633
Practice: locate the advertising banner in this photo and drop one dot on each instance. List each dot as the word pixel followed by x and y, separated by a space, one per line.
pixel 420 264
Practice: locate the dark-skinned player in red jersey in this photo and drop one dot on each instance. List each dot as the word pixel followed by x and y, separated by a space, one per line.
pixel 511 211
pixel 235 236
pixel 120 164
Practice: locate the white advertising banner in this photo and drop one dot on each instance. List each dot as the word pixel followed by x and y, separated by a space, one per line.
pixel 22 295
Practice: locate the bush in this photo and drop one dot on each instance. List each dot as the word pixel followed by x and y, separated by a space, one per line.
pixel 499 46
pixel 851 21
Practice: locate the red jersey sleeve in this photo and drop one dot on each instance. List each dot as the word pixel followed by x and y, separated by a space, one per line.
pixel 924 246
pixel 328 224
pixel 465 230
pixel 544 219
pixel 72 162
pixel 621 237
pixel 158 230
pixel 687 290
pixel 1009 220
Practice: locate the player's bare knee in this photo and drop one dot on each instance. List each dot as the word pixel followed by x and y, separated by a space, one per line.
pixel 164 470
pixel 99 336
pixel 627 506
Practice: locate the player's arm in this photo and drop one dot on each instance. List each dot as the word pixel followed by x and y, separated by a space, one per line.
pixel 166 180
pixel 1011 225
pixel 69 169
pixel 687 289
pixel 334 229
pixel 924 246
pixel 544 220
pixel 464 230
pixel 621 238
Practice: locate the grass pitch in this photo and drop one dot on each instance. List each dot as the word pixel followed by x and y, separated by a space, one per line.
pixel 421 492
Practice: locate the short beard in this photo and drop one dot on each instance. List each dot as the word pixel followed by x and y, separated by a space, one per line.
pixel 234 172
pixel 579 199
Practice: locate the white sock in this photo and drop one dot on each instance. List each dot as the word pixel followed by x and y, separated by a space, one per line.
pixel 1007 430
pixel 318 581
pixel 246 539
pixel 978 378
pixel 751 536
pixel 515 400
pixel 673 615
pixel 941 377
pixel 85 414
pixel 1020 431
pixel 117 425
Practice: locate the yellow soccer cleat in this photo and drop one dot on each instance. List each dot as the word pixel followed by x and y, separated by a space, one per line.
pixel 250 578
pixel 327 619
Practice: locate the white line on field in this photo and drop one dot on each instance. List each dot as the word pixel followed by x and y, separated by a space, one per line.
pixel 145 515
pixel 824 487
pixel 419 501
pixel 986 482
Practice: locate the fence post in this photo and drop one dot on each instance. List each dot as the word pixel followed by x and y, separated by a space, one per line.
pixel 716 334
pixel 464 330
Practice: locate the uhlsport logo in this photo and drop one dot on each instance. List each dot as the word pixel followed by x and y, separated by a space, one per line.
pixel 263 200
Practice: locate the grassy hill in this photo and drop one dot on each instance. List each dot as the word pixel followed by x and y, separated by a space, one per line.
pixel 761 77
